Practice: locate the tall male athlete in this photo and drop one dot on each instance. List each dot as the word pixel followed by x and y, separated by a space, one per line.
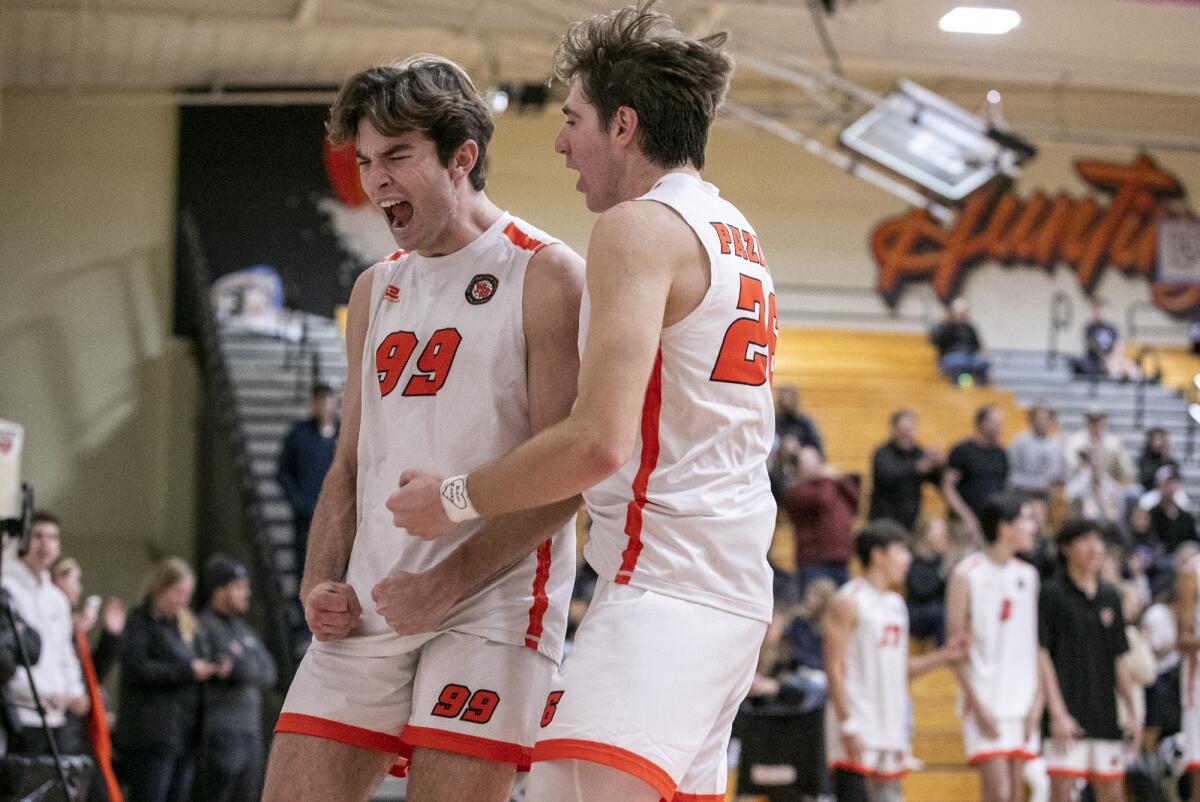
pixel 460 345
pixel 867 737
pixel 669 435
pixel 993 597
pixel 1187 622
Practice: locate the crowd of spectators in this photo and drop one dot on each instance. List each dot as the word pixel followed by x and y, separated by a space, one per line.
pixel 1135 500
pixel 190 685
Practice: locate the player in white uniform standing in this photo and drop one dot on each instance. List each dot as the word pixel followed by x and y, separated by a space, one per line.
pixel 867 738
pixel 993 598
pixel 669 436
pixel 1187 618
pixel 459 346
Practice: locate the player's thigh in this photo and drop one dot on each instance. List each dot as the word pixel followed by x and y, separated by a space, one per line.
pixel 995 777
pixel 1062 788
pixel 439 776
pixel 583 781
pixel 1109 790
pixel 304 768
pixel 1016 783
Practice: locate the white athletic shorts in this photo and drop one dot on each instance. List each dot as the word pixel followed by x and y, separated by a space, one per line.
pixel 1011 742
pixel 650 688
pixel 456 693
pixel 1190 733
pixel 878 764
pixel 1086 759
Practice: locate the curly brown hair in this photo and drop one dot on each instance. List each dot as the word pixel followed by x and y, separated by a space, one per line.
pixel 424 93
pixel 636 57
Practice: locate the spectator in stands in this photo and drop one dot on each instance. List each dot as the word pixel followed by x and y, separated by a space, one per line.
pixel 10 664
pixel 305 459
pixel 1104 354
pixel 57 674
pixel 1106 451
pixel 899 468
pixel 1156 452
pixel 232 764
pixel 821 503
pixel 96 661
pixel 163 664
pixel 789 420
pixel 926 582
pixel 1170 524
pixel 1092 492
pixel 1035 459
pixel 960 351
pixel 1044 554
pixel 976 470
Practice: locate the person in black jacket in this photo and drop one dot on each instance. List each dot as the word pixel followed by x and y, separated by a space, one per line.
pixel 163 664
pixel 304 460
pixel 926 581
pixel 898 469
pixel 10 664
pixel 232 764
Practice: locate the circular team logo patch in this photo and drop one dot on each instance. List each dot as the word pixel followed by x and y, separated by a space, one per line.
pixel 481 289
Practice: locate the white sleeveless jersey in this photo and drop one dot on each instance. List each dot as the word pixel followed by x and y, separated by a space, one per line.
pixel 691 514
pixel 1189 675
pixel 444 390
pixel 876 669
pixel 1003 661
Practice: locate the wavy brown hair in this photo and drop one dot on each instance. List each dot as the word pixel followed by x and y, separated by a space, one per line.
pixel 424 93
pixel 636 57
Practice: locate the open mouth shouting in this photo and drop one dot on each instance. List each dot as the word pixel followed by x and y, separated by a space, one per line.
pixel 399 213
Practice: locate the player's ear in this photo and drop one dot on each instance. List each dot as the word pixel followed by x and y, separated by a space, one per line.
pixel 624 125
pixel 464 159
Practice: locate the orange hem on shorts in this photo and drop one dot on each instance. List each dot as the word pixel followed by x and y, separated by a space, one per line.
pixel 682 797
pixel 1195 764
pixel 1086 775
pixel 612 756
pixel 301 724
pixel 975 760
pixel 469 745
pixel 866 772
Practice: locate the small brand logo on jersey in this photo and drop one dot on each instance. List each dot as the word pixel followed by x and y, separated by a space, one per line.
pixel 392 293
pixel 1107 616
pixel 481 289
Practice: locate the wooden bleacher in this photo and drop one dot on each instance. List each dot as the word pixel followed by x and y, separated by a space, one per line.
pixel 850 382
pixel 1179 365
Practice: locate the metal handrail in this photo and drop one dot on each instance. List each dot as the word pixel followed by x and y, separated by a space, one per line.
pixel 197 281
pixel 1062 314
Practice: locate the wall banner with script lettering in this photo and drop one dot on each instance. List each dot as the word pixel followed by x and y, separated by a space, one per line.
pixel 1121 232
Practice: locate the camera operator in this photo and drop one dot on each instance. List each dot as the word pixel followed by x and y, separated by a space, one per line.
pixel 57 673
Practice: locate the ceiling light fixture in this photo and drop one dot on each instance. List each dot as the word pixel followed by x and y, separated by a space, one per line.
pixel 970 19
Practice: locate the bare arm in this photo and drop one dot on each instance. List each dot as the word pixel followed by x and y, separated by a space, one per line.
pixel 839 625
pixel 334 610
pixel 553 288
pixel 958 627
pixel 1187 640
pixel 950 479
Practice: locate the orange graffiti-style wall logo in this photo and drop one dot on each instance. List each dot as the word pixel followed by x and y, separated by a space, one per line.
pixel 1042 231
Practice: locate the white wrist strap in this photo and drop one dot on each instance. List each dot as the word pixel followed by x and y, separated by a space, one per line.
pixel 455 500
pixel 850 727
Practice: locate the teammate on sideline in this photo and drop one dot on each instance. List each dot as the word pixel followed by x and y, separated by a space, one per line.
pixel 669 436
pixel 1187 622
pixel 459 345
pixel 993 597
pixel 867 661
pixel 1082 635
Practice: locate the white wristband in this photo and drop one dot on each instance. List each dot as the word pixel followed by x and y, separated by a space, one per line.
pixel 455 500
pixel 850 727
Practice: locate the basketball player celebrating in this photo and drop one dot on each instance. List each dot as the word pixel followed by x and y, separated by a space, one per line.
pixel 669 435
pixel 459 344
pixel 867 661
pixel 1187 622
pixel 993 598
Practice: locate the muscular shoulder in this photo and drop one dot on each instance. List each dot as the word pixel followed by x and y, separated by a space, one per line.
pixel 645 226
pixel 555 274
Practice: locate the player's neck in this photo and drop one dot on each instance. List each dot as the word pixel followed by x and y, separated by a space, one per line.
pixel 876 579
pixel 474 215
pixel 1000 553
pixel 641 176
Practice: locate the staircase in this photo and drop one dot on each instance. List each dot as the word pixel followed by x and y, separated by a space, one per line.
pixel 272 382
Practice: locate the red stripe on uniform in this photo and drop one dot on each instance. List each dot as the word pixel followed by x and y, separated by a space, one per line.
pixel 537 610
pixel 651 408
pixel 396 255
pixel 521 239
